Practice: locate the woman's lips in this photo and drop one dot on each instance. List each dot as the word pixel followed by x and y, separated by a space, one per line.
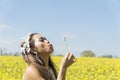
pixel 50 45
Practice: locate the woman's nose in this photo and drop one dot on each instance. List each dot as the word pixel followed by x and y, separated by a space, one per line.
pixel 47 41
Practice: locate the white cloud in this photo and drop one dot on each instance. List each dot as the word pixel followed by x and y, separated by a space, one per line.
pixel 10 46
pixel 4 26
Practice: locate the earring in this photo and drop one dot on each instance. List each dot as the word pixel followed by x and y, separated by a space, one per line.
pixel 35 52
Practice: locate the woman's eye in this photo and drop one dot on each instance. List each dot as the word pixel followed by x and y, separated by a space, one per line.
pixel 41 40
pixel 45 38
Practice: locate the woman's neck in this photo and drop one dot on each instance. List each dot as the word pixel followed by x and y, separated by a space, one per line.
pixel 45 59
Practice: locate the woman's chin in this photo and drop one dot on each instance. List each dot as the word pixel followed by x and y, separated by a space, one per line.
pixel 50 51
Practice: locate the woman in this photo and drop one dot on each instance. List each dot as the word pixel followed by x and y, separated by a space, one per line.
pixel 36 51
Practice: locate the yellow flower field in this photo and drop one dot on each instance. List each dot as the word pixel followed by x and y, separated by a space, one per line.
pixel 12 68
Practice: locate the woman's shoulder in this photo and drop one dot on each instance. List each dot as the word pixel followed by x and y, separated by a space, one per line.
pixel 30 68
pixel 31 73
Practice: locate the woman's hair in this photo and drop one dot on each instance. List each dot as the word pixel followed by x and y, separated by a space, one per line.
pixel 33 59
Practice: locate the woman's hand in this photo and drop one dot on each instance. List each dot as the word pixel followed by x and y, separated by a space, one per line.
pixel 68 60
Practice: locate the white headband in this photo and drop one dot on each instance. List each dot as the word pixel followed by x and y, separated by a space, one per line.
pixel 26 46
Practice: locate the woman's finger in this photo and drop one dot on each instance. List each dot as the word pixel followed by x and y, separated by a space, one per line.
pixel 74 59
pixel 67 55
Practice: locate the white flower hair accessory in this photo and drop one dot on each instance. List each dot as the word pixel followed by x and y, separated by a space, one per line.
pixel 26 44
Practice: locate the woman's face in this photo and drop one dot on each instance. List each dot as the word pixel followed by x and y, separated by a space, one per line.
pixel 42 45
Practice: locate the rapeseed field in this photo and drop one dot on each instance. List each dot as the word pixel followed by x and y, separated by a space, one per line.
pixel 12 68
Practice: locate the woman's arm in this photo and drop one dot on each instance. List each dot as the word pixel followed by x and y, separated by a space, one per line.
pixel 68 60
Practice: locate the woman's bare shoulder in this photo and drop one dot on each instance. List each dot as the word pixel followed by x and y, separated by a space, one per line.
pixel 30 68
pixel 31 73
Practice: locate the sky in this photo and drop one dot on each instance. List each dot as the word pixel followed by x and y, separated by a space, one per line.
pixel 86 24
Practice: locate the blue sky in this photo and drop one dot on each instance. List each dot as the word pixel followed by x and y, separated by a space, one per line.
pixel 87 24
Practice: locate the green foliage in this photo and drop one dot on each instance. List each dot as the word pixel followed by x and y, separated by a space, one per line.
pixel 107 56
pixel 88 53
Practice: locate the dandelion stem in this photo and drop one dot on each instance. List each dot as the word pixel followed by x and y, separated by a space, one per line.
pixel 66 44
